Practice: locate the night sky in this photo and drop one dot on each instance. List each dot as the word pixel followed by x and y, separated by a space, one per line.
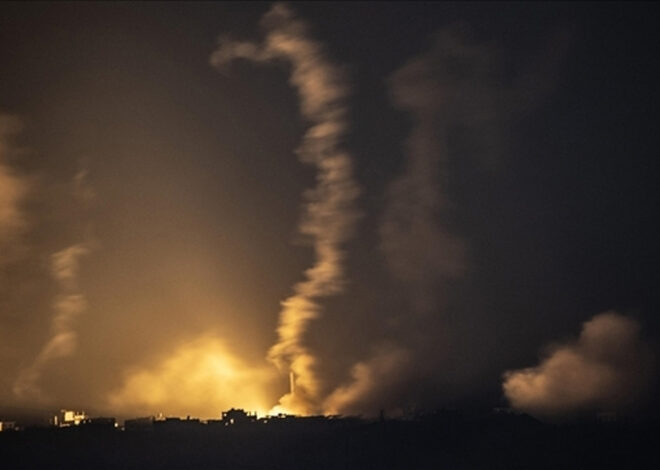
pixel 328 208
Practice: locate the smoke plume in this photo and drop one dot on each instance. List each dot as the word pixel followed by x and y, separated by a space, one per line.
pixel 371 383
pixel 460 105
pixel 68 305
pixel 605 369
pixel 454 84
pixel 329 212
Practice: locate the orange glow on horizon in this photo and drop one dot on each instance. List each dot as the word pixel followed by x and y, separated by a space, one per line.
pixel 200 378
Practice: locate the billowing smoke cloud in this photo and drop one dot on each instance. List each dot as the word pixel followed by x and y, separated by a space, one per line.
pixel 13 189
pixel 607 368
pixel 371 382
pixel 67 306
pixel 199 376
pixel 329 212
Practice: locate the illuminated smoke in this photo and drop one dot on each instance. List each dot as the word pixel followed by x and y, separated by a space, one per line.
pixel 329 213
pixel 371 382
pixel 13 189
pixel 69 304
pixel 607 368
pixel 200 377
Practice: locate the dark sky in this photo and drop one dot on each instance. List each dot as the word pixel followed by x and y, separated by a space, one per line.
pixel 505 156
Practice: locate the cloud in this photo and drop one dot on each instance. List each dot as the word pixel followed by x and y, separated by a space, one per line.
pixel 607 368
pixel 13 189
pixel 200 377
pixel 329 213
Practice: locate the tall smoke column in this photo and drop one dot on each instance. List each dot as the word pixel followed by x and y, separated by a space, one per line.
pixel 416 238
pixel 460 103
pixel 457 89
pixel 329 214
pixel 450 84
pixel 68 305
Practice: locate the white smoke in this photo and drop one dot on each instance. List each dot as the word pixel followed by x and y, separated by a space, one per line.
pixel 605 369
pixel 329 213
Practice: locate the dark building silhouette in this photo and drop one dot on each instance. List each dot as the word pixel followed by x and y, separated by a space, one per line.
pixel 139 424
pixel 100 423
pixel 176 424
pixel 477 439
pixel 237 416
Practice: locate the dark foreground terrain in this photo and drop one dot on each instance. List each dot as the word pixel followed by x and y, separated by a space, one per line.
pixel 439 441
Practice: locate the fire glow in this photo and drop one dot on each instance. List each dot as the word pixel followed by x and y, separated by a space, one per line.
pixel 201 377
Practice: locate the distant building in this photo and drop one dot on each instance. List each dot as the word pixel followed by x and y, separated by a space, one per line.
pixel 67 418
pixel 174 423
pixel 238 416
pixel 280 418
pixel 7 426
